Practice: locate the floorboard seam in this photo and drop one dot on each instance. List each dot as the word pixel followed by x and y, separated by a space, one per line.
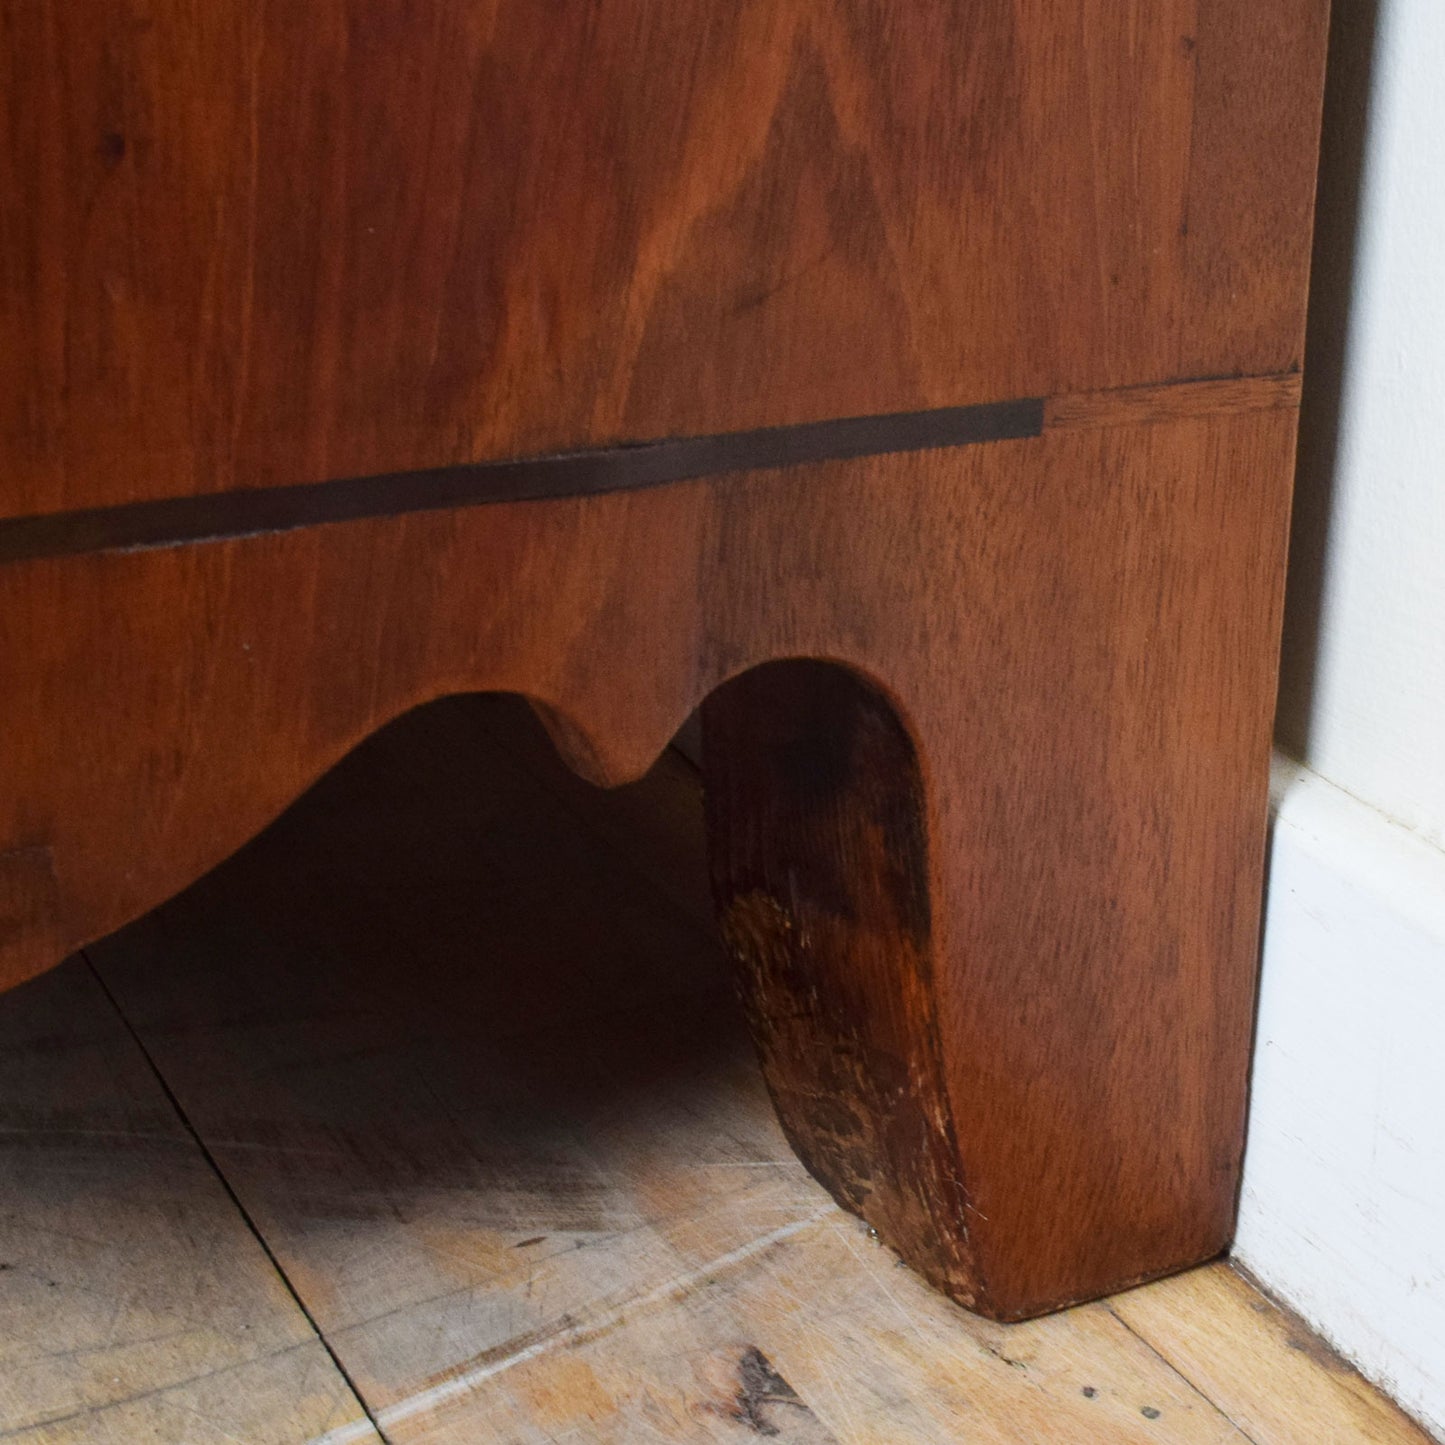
pixel 1174 1369
pixel 235 1199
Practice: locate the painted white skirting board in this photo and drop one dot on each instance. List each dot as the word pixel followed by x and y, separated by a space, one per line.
pixel 1343 1208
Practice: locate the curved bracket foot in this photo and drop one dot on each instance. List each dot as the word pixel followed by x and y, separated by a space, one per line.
pixel 820 869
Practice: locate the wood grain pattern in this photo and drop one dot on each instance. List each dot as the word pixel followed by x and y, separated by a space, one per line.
pixel 1082 657
pixel 459 1032
pixel 1137 405
pixel 247 245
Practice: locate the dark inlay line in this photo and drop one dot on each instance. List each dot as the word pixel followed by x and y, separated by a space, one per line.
pixel 176 520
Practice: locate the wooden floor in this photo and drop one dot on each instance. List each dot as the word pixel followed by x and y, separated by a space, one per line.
pixel 429 1118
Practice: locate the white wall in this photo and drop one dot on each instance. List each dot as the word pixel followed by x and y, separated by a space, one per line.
pixel 1371 717
pixel 1343 1207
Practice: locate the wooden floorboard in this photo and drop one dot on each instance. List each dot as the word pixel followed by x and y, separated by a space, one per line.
pixel 459 1036
pixel 1257 1362
pixel 135 1303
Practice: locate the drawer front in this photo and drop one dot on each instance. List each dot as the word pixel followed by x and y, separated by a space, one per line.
pixel 249 244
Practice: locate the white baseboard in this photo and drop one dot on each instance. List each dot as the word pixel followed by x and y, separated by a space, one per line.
pixel 1343 1207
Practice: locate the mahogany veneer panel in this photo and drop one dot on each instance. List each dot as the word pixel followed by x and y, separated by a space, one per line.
pixel 248 244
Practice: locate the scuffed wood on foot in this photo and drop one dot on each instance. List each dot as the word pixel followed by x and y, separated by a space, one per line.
pixel 820 870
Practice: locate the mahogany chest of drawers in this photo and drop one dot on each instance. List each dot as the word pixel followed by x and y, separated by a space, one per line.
pixel 913 386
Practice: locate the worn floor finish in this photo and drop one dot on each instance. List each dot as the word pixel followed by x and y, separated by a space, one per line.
pixel 429 1118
